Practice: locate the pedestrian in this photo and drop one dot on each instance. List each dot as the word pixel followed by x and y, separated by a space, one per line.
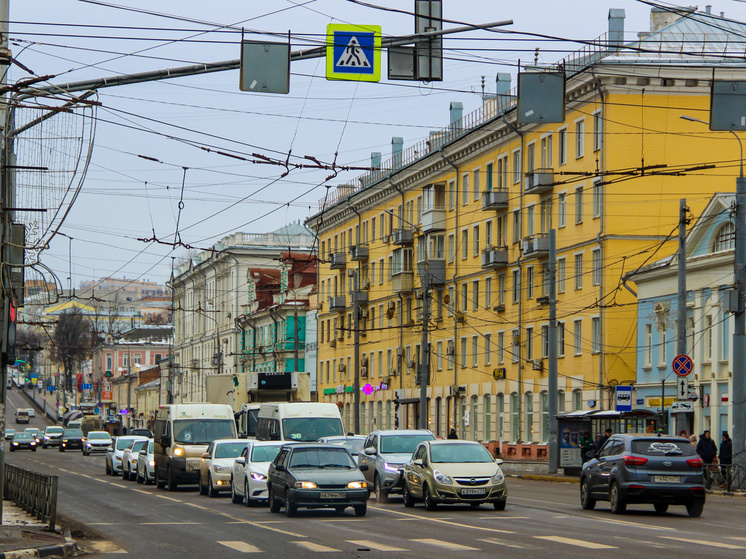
pixel 606 436
pixel 452 434
pixel 693 440
pixel 586 445
pixel 598 443
pixel 706 448
pixel 682 433
pixel 726 457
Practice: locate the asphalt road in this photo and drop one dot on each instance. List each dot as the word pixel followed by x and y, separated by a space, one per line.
pixel 543 519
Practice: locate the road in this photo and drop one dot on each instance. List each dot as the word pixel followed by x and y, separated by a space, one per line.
pixel 543 519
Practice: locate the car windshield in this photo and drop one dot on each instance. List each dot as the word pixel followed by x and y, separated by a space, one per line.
pixel 72 433
pixel 203 431
pixel 311 429
pixel 138 446
pixel 123 443
pixel 150 447
pixel 99 436
pixel 663 447
pixel 459 453
pixel 402 444
pixel 353 446
pixel 22 436
pixel 321 458
pixel 229 450
pixel 264 453
pixel 54 430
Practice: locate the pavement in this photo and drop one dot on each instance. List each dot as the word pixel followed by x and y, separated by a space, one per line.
pixel 22 535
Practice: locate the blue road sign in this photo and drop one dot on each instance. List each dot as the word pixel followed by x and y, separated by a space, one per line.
pixel 86 386
pixel 623 398
pixel 51 388
pixel 353 52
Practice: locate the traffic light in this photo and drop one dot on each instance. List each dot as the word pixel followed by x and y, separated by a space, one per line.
pixel 107 374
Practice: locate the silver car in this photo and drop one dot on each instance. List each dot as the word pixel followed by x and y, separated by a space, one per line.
pixel 146 465
pixel 129 458
pixel 384 454
pixel 114 453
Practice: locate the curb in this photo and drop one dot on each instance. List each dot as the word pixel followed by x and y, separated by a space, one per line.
pixel 545 477
pixel 67 549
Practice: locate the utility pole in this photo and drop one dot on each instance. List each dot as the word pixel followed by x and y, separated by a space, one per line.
pixel 738 409
pixel 356 332
pixel 681 325
pixel 552 408
pixel 424 372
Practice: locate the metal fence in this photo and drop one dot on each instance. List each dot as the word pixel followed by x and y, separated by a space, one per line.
pixel 726 476
pixel 34 492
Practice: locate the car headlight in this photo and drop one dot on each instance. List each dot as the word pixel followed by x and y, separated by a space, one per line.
pixel 64 440
pixel 306 485
pixel 256 476
pixel 151 463
pixel 499 477
pixel 33 442
pixel 46 437
pixel 88 445
pixel 178 451
pixel 441 478
pixel 220 469
pixel 357 485
pixel 15 444
pixel 391 467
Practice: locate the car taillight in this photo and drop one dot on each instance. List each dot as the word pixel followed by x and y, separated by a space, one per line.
pixel 634 460
pixel 696 462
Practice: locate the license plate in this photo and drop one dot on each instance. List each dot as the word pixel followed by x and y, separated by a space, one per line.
pixel 473 491
pixel 331 495
pixel 667 479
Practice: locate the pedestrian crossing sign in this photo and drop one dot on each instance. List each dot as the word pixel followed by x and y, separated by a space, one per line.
pixel 353 52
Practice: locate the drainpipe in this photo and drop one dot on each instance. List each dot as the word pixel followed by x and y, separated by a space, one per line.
pixel 599 237
pixel 253 339
pixel 272 313
pixel 237 322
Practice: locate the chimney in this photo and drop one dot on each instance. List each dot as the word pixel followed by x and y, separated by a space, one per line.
pixel 616 28
pixel 503 83
pixel 661 17
pixel 397 145
pixel 457 113
pixel 708 9
pixel 375 160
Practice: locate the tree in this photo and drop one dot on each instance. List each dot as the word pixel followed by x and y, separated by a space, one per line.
pixel 73 342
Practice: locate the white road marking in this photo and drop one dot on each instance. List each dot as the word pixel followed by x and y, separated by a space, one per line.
pixel 375 545
pixel 495 541
pixel 501 517
pixel 630 524
pixel 445 545
pixel 441 521
pixel 141 491
pixel 315 547
pixel 579 543
pixel 167 523
pixel 169 498
pixel 101 480
pixel 709 543
pixel 243 547
pixel 248 522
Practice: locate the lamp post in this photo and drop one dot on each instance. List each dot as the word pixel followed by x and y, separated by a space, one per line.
pixel 738 385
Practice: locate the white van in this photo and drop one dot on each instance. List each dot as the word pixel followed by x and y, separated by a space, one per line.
pixel 298 421
pixel 181 434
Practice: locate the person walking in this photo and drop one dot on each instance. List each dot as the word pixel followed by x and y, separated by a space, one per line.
pixel 586 445
pixel 706 448
pixel 726 459
pixel 452 434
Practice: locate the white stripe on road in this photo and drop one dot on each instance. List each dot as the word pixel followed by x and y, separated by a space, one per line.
pixel 248 522
pixel 375 545
pixel 445 545
pixel 169 498
pixel 495 541
pixel 709 543
pixel 141 491
pixel 243 547
pixel 441 521
pixel 315 547
pixel 167 523
pixel 579 543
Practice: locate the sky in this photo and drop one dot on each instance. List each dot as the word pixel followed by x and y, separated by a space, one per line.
pixel 168 166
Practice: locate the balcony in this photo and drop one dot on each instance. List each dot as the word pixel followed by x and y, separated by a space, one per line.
pixel 402 237
pixel 538 245
pixel 495 200
pixel 434 269
pixel 493 257
pixel 337 260
pixel 434 220
pixel 359 253
pixel 539 181
pixel 337 304
pixel 362 297
pixel 402 282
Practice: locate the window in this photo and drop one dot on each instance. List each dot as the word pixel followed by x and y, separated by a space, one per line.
pixel 465 189
pixel 108 361
pixel 530 158
pixel 516 286
pixel 515 347
pixel 560 339
pixel 578 271
pixel 488 232
pixel 463 352
pixel 464 244
pixel 487 349
pixel 476 185
pixel 546 152
pixel 578 337
pixel 451 247
pixel 517 166
pixel 451 195
pixel 561 210
pixel 451 297
pixel 579 205
pixel 664 342
pixel 595 335
pixel 577 400
pixel 380 272
pixel 487 417
pixel 475 239
pixel 725 238
pixel 475 295
pixel 402 261
pixel 516 226
pixel 545 341
pixel 501 289
pixel 529 343
pixel 648 345
pixel 560 275
pixel 502 172
pixel 597 130
pixel 500 410
pixel 530 282
pixel 372 273
pixel 487 293
pixel 579 138
pixel 373 229
pixel 530 220
pixel 439 356
pixel 501 348
pixel 475 351
pixel 597 199
pixel 449 354
pixel 562 146
pixel 515 414
pixel 546 215
pixel 464 296
pixel 529 404
pixel 489 184
pixel 544 399
pixel 707 348
pixel 596 271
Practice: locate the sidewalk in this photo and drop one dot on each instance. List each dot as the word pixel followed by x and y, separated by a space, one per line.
pixel 22 535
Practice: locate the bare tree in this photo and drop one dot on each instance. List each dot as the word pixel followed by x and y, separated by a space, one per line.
pixel 73 342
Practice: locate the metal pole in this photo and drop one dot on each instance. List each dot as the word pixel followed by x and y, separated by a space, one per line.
pixel 296 345
pixel 663 402
pixel 356 330
pixel 738 387
pixel 424 372
pixel 552 441
pixel 681 326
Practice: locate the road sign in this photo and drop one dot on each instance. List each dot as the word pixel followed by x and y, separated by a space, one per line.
pixel 353 52
pixel 682 407
pixel 623 398
pixel 106 386
pixel 106 395
pixel 682 365
pixel 51 388
pixel 86 386
pixel 682 389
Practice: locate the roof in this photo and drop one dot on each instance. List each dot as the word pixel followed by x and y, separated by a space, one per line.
pixel 293 229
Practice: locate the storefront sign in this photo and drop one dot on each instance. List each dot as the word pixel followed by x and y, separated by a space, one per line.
pixel 656 402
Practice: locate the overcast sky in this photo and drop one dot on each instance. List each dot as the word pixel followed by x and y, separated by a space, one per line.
pixel 151 137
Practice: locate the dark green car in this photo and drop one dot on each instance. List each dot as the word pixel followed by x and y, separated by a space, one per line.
pixel 316 476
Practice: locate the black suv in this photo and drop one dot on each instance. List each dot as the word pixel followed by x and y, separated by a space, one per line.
pixel 639 468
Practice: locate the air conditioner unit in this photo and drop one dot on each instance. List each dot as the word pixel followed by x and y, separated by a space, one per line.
pixel 544 300
pixel 386 238
pixel 365 284
pixel 364 372
pixel 450 349
pixel 400 351
pixel 341 367
pixel 392 305
pixel 517 339
pixel 537 365
pixel 498 308
pixel 410 364
pixel 364 360
pixel 332 343
pixel 392 371
pixel 460 317
pixel 418 293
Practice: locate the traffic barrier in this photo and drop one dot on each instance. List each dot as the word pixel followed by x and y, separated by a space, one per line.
pixel 34 492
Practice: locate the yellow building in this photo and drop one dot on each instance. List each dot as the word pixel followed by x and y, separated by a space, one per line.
pixel 475 203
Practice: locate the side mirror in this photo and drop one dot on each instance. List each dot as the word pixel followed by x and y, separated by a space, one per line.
pixel 363 467
pixel 205 456
pixel 240 460
pixel 417 462
pixel 498 461
pixel 144 452
pixel 280 467
pixel 165 441
pixel 370 450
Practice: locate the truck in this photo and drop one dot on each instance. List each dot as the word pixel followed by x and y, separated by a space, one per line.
pixel 298 421
pixel 90 423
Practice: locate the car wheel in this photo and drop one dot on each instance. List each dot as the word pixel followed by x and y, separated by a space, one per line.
pixel 290 508
pixel 274 504
pixel 407 496
pixel 618 506
pixel 247 494
pixel 500 505
pixel 586 501
pixel 360 510
pixel 33 449
pixel 430 503
pixel 159 483
pixel 125 474
pixel 660 508
pixel 211 491
pixel 171 484
pixel 382 496
pixel 202 488
pixel 695 509
pixel 235 497
pixel 62 448
pixel 108 469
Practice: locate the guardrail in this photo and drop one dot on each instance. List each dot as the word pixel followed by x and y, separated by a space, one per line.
pixel 727 476
pixel 34 492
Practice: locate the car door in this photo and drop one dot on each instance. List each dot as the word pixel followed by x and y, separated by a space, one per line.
pixel 239 471
pixel 280 479
pixel 608 458
pixel 416 472
pixel 369 459
pixel 204 464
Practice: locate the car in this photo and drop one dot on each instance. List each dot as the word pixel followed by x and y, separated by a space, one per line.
pixel 37 433
pixel 353 443
pixel 217 465
pixel 249 476
pixel 145 472
pixel 644 469
pixel 52 436
pixel 115 451
pixel 22 416
pixel 316 475
pixel 72 438
pixel 23 441
pixel 453 471
pixel 141 432
pixel 9 434
pixel 385 453
pixel 31 412
pixel 96 441
pixel 129 458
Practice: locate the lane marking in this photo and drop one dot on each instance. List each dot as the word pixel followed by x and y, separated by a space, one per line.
pixel 167 523
pixel 626 523
pixel 709 543
pixel 248 522
pixel 579 543
pixel 501 517
pixel 243 547
pixel 141 491
pixel 103 523
pixel 340 520
pixel 446 522
pixel 495 541
pixel 376 545
pixel 169 498
pixel 100 480
pixel 445 545
pixel 316 547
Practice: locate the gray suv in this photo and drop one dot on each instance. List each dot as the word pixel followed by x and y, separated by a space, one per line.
pixel 385 453
pixel 637 468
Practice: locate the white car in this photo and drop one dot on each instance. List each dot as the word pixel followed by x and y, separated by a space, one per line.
pixel 146 465
pixel 217 464
pixel 249 481
pixel 96 441
pixel 129 458
pixel 114 453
